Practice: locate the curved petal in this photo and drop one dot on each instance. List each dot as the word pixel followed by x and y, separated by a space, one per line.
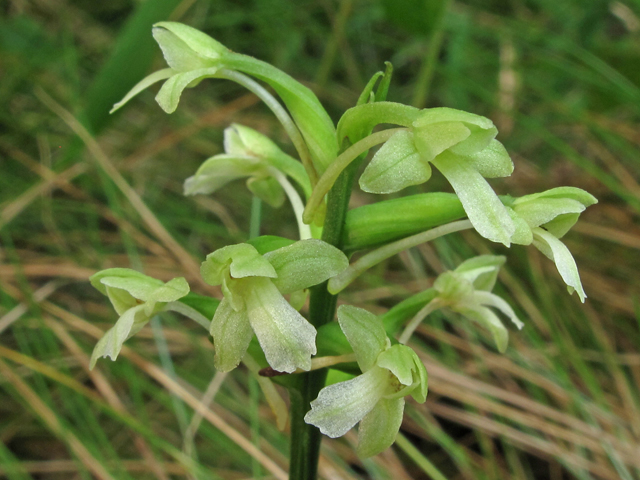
pixel 491 300
pixel 121 300
pixel 483 207
pixel 267 189
pixel 217 171
pixel 493 161
pixel 137 284
pixel 365 334
pixel 433 139
pixel 286 338
pixel 171 291
pixel 231 334
pixel 379 428
pixel 194 39
pixel 544 210
pixel 305 263
pixel 177 53
pixel 143 84
pixel 340 406
pixel 169 95
pixel 111 342
pixel 482 270
pixel 399 360
pixel 555 250
pixel 490 321
pixel 240 261
pixel 396 165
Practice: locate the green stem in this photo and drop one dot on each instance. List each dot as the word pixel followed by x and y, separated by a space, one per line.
pixel 306 439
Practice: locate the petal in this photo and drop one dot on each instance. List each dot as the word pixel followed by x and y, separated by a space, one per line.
pixel 482 270
pixel 340 406
pixel 286 338
pixel 169 292
pixel 399 360
pixel 169 95
pixel 379 428
pixel 111 342
pixel 136 283
pixel 522 235
pixel 396 165
pixel 121 300
pixel 177 53
pixel 217 171
pixel 241 260
pixel 493 161
pixel 197 41
pixel 555 250
pixel 543 210
pixel 143 84
pixel 491 300
pixel 483 207
pixel 490 321
pixel 365 334
pixel 231 332
pixel 267 189
pixel 433 139
pixel 305 263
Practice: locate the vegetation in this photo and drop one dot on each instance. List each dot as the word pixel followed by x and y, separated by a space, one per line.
pixel 81 192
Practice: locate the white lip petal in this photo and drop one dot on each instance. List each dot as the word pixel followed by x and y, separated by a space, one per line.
pixel 231 332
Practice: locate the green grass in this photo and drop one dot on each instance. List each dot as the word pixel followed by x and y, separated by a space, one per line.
pixel 560 79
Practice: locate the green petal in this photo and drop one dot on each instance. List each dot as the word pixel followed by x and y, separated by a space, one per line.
pixel 399 360
pixel 286 338
pixel 365 334
pixel 217 171
pixel 121 300
pixel 522 234
pixel 483 207
pixel 340 406
pixel 482 270
pixel 491 300
pixel 357 122
pixel 493 161
pixel 169 95
pixel 268 190
pixel 490 321
pixel 240 261
pixel 572 193
pixel 197 41
pixel 396 165
pixel 555 250
pixel 143 84
pixel 543 210
pixel 379 428
pixel 305 263
pixel 433 139
pixel 124 278
pixel 111 342
pixel 171 291
pixel 231 332
pixel 177 53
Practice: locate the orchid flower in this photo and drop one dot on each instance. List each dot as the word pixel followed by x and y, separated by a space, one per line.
pixel 375 398
pixel 543 218
pixel 136 298
pixel 253 286
pixel 467 291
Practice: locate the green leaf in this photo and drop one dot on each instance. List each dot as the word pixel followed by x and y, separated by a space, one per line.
pixel 365 333
pixel 286 338
pixel 305 263
pixel 396 165
pixel 231 332
pixel 378 429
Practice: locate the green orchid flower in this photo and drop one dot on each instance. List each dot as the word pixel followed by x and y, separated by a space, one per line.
pixel 248 153
pixel 463 147
pixel 136 298
pixel 253 286
pixel 543 218
pixel 375 398
pixel 193 56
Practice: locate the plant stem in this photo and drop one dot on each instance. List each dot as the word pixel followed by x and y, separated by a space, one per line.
pixel 306 439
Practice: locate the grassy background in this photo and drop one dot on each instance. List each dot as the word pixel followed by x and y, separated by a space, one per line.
pixel 81 191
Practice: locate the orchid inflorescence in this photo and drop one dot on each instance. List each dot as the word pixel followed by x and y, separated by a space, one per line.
pixel 265 282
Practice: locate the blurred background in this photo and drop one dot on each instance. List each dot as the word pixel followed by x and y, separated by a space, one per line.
pixel 81 190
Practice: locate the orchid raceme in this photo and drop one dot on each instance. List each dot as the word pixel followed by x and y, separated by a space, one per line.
pixel 543 218
pixel 136 298
pixel 467 290
pixel 375 398
pixel 253 286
